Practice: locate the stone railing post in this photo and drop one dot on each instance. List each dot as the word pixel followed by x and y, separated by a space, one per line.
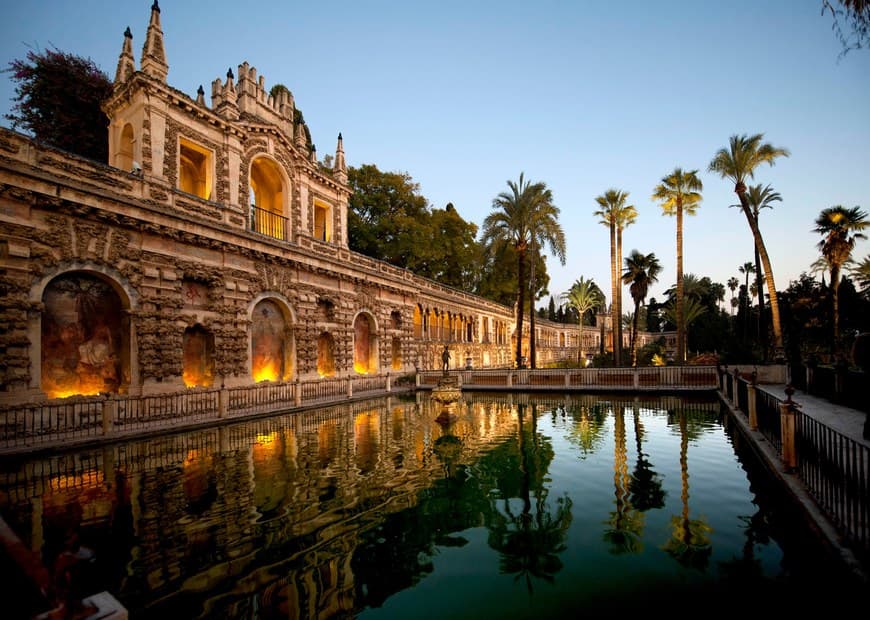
pixel 349 387
pixel 110 412
pixel 388 382
pixel 223 402
pixel 297 393
pixel 787 430
pixel 635 378
pixel 735 400
pixel 510 378
pixel 750 401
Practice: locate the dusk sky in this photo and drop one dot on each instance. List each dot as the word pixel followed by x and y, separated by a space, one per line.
pixel 584 96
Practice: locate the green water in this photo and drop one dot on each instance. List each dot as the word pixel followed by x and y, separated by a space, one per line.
pixel 516 506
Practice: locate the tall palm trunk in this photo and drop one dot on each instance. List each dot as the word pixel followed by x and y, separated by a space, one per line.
pixel 762 329
pixel 835 302
pixel 740 190
pixel 614 292
pixel 633 337
pixel 618 296
pixel 681 319
pixel 532 335
pixel 521 300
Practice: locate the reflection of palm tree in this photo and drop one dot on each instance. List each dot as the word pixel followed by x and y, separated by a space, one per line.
pixel 646 485
pixel 690 542
pixel 625 525
pixel 588 428
pixel 530 543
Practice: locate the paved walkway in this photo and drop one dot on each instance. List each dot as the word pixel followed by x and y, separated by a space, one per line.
pixel 849 422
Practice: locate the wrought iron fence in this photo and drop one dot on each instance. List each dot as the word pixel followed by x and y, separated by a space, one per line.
pixel 834 467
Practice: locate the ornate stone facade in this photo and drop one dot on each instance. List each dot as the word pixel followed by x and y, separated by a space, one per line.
pixel 203 217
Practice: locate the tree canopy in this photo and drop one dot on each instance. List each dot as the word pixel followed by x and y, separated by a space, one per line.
pixel 57 100
pixel 390 220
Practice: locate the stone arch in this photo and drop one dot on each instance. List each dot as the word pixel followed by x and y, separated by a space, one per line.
pixel 418 322
pixel 269 197
pixel 198 361
pixel 83 336
pixel 365 344
pixel 272 340
pixel 125 154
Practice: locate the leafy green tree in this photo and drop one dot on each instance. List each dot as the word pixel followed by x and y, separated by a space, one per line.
pixel 551 309
pixel 520 217
pixel 641 272
pixel 497 279
pixel 738 163
pixel 57 100
pixel 616 215
pixel 385 214
pixel 454 257
pixel 678 193
pixel 391 221
pixel 584 296
pixel 840 228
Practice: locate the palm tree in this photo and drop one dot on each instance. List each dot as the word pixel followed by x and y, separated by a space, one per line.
pixel 679 192
pixel 738 163
pixel 616 215
pixel 733 283
pixel 583 296
pixel 692 309
pixel 840 228
pixel 545 229
pixel 641 271
pixel 520 216
pixel 761 198
pixel 860 272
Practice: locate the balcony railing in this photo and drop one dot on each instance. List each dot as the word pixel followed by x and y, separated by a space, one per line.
pixel 269 224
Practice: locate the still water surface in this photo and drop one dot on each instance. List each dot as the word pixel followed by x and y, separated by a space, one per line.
pixel 516 506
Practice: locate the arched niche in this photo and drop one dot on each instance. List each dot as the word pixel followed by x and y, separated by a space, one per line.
pixel 365 344
pixel 198 357
pixel 325 355
pixel 272 342
pixel 84 336
pixel 396 353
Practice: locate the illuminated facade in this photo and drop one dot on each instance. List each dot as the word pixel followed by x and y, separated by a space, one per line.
pixel 211 250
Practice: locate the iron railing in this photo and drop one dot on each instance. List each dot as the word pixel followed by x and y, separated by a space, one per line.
pixel 834 468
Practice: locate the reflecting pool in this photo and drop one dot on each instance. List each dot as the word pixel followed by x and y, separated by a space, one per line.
pixel 500 505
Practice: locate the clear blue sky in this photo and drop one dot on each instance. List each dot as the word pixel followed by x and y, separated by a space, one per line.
pixel 584 96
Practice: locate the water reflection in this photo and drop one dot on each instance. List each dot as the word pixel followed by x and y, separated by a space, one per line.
pixel 350 510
